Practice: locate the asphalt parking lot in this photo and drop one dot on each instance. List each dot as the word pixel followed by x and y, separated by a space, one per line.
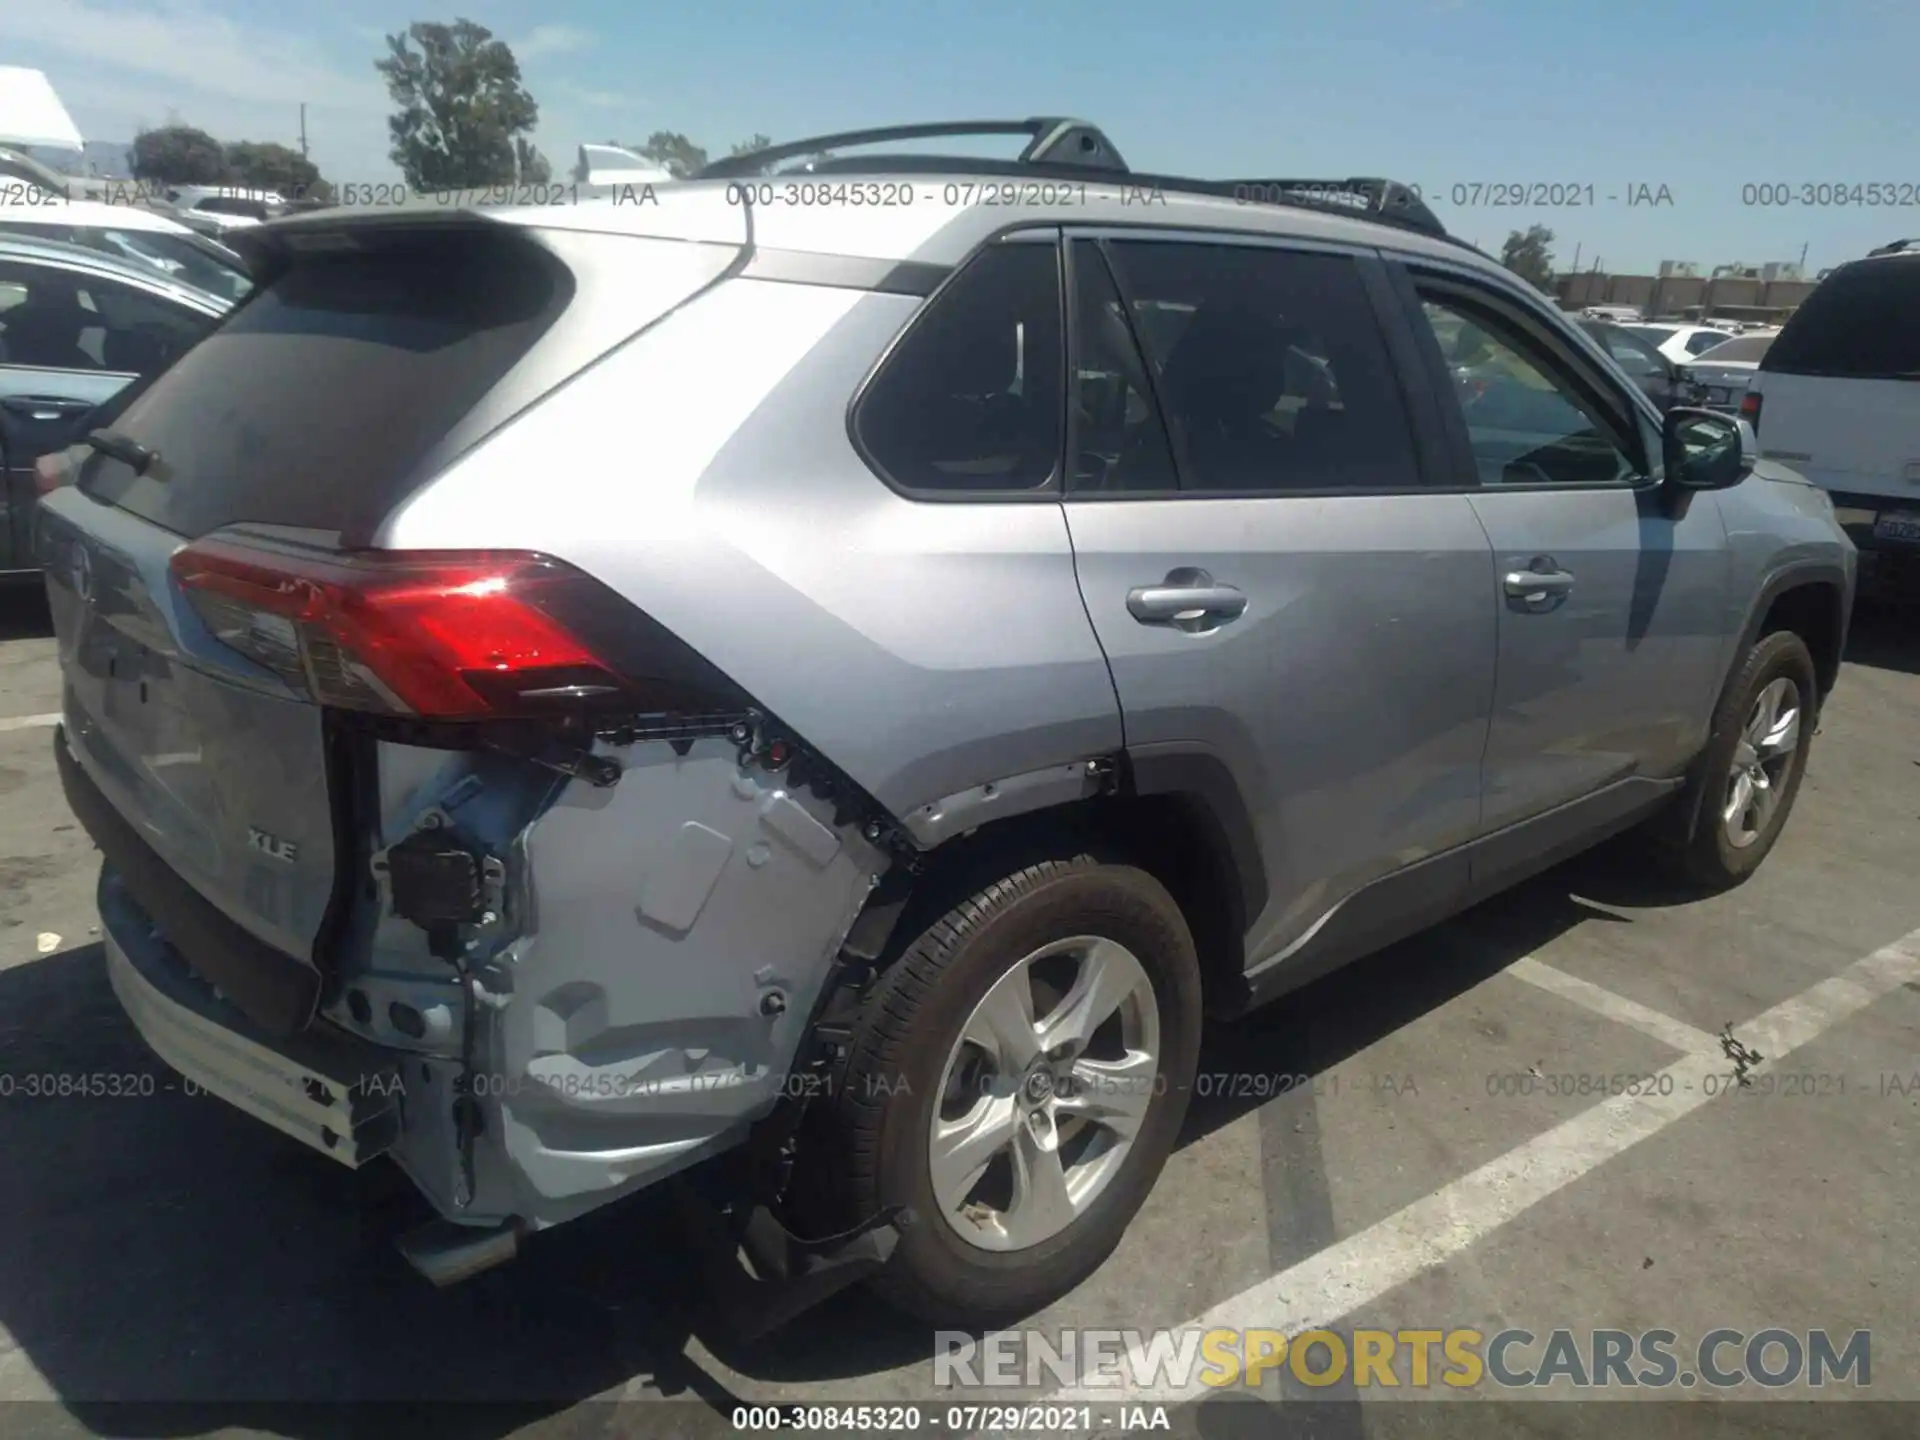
pixel 1444 1165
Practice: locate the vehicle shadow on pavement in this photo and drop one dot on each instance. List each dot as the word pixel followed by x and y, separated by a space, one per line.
pixel 23 612
pixel 169 1265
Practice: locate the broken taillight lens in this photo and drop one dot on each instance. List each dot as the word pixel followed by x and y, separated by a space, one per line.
pixel 438 635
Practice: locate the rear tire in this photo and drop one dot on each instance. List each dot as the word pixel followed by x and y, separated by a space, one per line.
pixel 1744 786
pixel 1071 935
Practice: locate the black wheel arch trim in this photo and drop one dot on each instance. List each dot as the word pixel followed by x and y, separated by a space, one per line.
pixel 1201 775
pixel 1791 576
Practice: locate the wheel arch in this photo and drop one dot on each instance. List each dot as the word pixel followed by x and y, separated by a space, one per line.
pixel 1172 810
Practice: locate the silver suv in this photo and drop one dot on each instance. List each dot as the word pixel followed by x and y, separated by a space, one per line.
pixel 813 683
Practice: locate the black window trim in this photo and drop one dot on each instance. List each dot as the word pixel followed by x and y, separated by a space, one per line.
pixel 1048 491
pixel 1565 346
pixel 1426 439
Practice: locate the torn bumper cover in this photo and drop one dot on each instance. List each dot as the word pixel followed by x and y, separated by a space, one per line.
pixel 630 1002
pixel 328 1091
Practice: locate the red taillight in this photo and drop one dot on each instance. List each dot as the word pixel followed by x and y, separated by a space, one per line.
pixel 1750 409
pixel 443 635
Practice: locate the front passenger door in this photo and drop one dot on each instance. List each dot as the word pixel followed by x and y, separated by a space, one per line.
pixel 1611 593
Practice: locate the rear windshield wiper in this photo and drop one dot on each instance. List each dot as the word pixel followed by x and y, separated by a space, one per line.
pixel 130 453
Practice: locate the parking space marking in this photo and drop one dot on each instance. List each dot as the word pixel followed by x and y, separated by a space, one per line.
pixel 1324 1288
pixel 26 722
pixel 1687 1039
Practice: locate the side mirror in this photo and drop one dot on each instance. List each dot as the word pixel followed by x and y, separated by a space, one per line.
pixel 1706 450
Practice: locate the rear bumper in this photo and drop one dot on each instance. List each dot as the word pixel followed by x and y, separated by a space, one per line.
pixel 328 1091
pixel 1858 513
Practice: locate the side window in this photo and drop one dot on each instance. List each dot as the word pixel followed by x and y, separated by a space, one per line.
pixel 970 400
pixel 1118 440
pixel 1526 422
pixel 1705 340
pixel 41 319
pixel 1637 358
pixel 1271 366
pixel 59 320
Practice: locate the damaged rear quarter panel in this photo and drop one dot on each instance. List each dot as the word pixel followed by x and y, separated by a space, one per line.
pixel 641 1000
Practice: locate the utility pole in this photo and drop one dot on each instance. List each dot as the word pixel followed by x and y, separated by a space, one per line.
pixel 303 129
pixel 1803 256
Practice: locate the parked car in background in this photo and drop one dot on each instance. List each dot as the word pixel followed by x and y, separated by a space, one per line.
pixel 217 210
pixel 1616 314
pixel 1837 396
pixel 1665 383
pixel 1680 343
pixel 132 232
pixel 1723 373
pixel 76 328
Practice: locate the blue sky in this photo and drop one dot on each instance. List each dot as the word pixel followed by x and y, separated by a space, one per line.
pixel 1435 92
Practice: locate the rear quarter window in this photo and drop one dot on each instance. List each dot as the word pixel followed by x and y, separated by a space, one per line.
pixel 1862 323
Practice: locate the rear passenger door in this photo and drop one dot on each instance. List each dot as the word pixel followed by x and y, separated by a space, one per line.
pixel 1279 593
pixel 1611 592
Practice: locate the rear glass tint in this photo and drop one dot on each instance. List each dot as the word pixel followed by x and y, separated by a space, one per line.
pixel 314 404
pixel 1861 323
pixel 1743 348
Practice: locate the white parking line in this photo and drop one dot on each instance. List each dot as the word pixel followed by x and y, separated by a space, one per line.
pixel 26 722
pixel 1335 1282
pixel 1688 1039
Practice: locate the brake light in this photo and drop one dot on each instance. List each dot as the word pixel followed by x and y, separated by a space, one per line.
pixel 1750 409
pixel 440 635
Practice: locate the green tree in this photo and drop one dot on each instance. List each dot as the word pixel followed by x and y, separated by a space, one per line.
pixel 751 143
pixel 178 155
pixel 461 105
pixel 1529 255
pixel 673 152
pixel 268 165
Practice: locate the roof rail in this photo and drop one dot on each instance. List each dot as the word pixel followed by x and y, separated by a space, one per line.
pixel 1060 147
pixel 1897 247
pixel 1055 140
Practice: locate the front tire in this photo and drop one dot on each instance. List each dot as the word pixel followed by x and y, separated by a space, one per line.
pixel 1751 769
pixel 1018 1080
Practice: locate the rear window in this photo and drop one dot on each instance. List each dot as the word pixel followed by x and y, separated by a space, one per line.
pixel 316 401
pixel 1861 323
pixel 1744 348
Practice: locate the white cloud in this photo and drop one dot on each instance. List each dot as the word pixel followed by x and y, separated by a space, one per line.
pixel 190 46
pixel 121 63
pixel 551 40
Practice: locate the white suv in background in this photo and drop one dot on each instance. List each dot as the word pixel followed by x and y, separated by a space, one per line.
pixel 1837 396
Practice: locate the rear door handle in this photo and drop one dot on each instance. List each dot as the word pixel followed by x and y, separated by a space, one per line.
pixel 45 407
pixel 1538 585
pixel 1188 602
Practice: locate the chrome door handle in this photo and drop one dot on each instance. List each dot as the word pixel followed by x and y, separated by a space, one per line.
pixel 1537 585
pixel 1149 603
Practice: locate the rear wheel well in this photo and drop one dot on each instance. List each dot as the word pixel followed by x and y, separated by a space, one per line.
pixel 1171 836
pixel 1813 612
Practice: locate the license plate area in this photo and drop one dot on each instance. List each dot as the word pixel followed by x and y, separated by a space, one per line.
pixel 1901 525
